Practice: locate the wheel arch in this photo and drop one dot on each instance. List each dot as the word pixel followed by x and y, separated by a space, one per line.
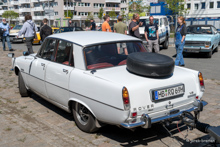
pixel 74 100
pixel 17 70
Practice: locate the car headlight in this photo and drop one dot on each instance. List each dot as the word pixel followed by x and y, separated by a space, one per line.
pixel 207 44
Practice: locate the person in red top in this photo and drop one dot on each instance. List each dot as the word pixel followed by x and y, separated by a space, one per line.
pixel 105 26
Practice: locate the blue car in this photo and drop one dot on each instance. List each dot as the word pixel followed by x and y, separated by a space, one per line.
pixel 201 38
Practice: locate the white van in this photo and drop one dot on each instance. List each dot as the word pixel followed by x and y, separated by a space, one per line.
pixel 163 28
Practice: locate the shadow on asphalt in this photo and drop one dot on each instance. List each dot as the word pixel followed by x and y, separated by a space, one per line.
pixel 194 55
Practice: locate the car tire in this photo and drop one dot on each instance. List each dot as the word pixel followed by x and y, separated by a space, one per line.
pixel 84 119
pixel 209 54
pixel 150 64
pixel 216 49
pixel 22 88
pixel 166 43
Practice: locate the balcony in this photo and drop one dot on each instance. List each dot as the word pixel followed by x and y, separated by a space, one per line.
pixel 37 9
pixel 1 12
pixel 4 4
pixel 68 8
pixel 42 17
pixel 46 0
pixel 21 17
pixel 24 1
pixel 117 9
pixel 113 1
pixel 14 2
pixel 25 10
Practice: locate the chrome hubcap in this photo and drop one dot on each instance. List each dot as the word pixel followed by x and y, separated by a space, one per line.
pixel 82 114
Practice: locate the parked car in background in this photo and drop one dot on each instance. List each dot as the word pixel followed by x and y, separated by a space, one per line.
pixel 16 29
pixel 54 29
pixel 91 79
pixel 68 29
pixel 14 33
pixel 202 39
pixel 163 29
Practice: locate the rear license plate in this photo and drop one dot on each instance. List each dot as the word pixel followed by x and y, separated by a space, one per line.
pixel 168 92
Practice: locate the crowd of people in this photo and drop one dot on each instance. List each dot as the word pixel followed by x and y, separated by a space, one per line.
pixel 29 30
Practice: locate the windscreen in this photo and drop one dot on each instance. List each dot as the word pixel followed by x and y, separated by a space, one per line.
pixel 199 30
pixel 109 55
pixel 17 27
pixel 146 21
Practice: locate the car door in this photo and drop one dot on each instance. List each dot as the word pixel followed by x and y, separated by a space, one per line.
pixel 39 65
pixel 58 73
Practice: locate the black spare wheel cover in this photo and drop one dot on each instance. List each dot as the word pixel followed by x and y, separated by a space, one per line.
pixel 150 64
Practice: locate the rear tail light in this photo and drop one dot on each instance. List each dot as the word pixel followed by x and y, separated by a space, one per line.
pixel 201 82
pixel 126 100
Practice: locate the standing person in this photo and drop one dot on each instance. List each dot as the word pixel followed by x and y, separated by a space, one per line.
pixel 105 26
pixel 134 26
pixel 28 31
pixel 120 27
pixel 45 30
pixel 70 24
pixel 93 26
pixel 4 25
pixel 180 41
pixel 152 35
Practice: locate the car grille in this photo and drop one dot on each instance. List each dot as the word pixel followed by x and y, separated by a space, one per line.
pixel 194 43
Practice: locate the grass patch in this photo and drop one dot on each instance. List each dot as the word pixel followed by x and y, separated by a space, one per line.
pixel 23 107
pixel 171 35
pixel 22 139
pixel 8 129
pixel 0 112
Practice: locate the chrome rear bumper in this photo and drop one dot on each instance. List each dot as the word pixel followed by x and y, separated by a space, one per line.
pixel 145 120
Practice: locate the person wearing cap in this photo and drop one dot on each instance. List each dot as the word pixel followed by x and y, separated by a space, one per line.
pixel 4 25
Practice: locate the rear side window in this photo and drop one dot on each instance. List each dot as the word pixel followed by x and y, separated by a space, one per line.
pixel 64 53
pixel 47 50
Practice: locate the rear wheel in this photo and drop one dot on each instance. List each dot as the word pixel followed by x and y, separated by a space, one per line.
pixel 166 43
pixel 22 88
pixel 84 119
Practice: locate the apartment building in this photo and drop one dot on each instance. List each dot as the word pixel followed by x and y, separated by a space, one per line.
pixel 54 10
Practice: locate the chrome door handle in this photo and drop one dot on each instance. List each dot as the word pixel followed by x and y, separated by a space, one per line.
pixel 66 71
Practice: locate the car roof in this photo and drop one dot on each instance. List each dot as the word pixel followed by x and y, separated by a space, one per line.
pixel 155 16
pixel 87 38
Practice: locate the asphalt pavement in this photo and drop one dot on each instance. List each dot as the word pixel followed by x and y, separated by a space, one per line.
pixel 210 67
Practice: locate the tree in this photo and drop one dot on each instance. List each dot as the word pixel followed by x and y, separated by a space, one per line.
pixel 100 14
pixel 10 15
pixel 89 17
pixel 137 6
pixel 112 14
pixel 70 14
pixel 176 7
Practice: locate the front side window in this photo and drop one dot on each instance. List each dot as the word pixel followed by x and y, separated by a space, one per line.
pixel 64 53
pixel 109 55
pixel 47 50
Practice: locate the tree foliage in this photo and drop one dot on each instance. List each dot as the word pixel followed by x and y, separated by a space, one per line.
pixel 10 15
pixel 176 7
pixel 70 14
pixel 137 7
pixel 112 14
pixel 100 14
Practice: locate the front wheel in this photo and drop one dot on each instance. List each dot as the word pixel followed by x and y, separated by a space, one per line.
pixel 22 88
pixel 166 43
pixel 84 119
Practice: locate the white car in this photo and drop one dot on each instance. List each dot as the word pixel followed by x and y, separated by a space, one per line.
pixel 13 37
pixel 86 73
pixel 163 29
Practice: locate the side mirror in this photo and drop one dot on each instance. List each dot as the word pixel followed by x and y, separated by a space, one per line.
pixel 25 53
pixel 11 55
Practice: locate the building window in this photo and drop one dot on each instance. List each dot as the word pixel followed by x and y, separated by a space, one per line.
pixel 218 4
pixel 55 13
pixel 211 5
pixel 96 14
pixel 87 4
pixel 96 5
pixel 196 6
pixel 203 5
pixel 123 1
pixel 83 13
pixel 188 6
